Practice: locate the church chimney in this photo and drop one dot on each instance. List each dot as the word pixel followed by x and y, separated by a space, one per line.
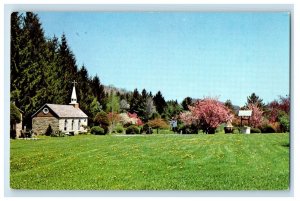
pixel 74 97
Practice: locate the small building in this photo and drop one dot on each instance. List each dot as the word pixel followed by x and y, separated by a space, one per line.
pixel 65 118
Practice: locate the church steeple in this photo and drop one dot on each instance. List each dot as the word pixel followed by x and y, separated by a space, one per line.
pixel 74 97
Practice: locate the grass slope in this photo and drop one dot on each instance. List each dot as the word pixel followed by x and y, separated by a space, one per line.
pixel 163 162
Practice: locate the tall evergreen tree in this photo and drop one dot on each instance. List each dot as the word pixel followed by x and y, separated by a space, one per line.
pixel 31 66
pixel 256 100
pixel 98 91
pixel 67 62
pixel 134 101
pixel 16 34
pixel 159 102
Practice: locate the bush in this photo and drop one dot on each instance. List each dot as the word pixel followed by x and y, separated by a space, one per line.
pixel 15 115
pixel 13 134
pixel 188 129
pixel 267 128
pixel 284 121
pixel 236 130
pixel 87 128
pixel 102 119
pixel 255 130
pixel 49 131
pixel 146 129
pixel 132 130
pixel 57 134
pixel 97 130
pixel 119 129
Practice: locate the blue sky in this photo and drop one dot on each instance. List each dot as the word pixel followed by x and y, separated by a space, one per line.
pixel 225 55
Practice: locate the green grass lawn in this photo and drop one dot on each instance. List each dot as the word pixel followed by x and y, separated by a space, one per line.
pixel 152 162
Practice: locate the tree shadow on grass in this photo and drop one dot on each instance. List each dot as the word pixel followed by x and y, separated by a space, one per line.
pixel 287 145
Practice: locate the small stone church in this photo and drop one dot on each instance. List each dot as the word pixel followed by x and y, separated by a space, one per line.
pixel 69 119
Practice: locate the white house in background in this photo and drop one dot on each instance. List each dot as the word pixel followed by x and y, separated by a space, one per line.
pixel 66 118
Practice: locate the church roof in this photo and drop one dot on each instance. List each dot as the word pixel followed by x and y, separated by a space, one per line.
pixel 64 110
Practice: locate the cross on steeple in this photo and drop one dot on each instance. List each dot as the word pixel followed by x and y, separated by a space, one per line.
pixel 74 82
pixel 73 96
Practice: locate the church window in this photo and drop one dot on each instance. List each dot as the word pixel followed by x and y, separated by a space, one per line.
pixel 72 124
pixel 66 122
pixel 45 110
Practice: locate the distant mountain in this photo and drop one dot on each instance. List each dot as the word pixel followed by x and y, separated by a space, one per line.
pixel 111 88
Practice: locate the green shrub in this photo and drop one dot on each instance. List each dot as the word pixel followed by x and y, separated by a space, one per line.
pixel 146 129
pixel 49 131
pixel 267 128
pixel 57 134
pixel 188 129
pixel 97 130
pixel 13 134
pixel 132 130
pixel 101 119
pixel 119 129
pixel 284 121
pixel 255 130
pixel 236 130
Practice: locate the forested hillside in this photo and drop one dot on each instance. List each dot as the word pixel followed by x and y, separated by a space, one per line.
pixel 43 69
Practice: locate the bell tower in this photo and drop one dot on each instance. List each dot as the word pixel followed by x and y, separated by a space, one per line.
pixel 74 97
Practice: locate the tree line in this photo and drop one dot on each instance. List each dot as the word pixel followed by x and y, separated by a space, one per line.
pixel 42 71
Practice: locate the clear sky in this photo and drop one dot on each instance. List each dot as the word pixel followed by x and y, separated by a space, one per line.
pixel 229 55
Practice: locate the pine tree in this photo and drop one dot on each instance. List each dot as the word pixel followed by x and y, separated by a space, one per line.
pixel 98 91
pixel 67 62
pixel 32 64
pixel 16 34
pixel 256 100
pixel 159 102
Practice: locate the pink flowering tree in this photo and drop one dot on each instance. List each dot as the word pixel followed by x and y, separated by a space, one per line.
pixel 257 115
pixel 186 118
pixel 275 108
pixel 207 114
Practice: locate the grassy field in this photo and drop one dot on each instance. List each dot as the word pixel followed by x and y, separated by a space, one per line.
pixel 162 162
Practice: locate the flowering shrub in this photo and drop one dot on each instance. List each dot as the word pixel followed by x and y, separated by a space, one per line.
pixel 186 118
pixel 257 115
pixel 125 119
pixel 130 119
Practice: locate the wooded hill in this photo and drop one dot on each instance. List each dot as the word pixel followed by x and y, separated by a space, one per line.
pixel 42 71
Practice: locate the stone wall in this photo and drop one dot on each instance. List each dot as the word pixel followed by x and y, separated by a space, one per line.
pixel 40 124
